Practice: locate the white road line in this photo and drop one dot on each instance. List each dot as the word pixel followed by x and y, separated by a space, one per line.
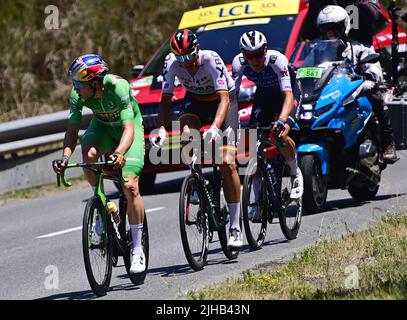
pixel 155 209
pixel 59 233
pixel 50 235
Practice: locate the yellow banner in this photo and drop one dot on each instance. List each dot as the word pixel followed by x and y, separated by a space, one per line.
pixel 238 10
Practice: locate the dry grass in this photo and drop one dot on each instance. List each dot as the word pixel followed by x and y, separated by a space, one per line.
pixel 34 60
pixel 40 191
pixel 378 254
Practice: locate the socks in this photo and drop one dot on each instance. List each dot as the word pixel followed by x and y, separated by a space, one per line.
pixel 234 213
pixel 136 234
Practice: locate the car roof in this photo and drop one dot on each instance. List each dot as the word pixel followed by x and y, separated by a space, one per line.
pixel 238 10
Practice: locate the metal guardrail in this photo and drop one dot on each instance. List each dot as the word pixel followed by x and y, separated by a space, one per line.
pixel 20 167
pixel 39 126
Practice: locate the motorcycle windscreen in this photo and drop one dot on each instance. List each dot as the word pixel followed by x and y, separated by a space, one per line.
pixel 317 70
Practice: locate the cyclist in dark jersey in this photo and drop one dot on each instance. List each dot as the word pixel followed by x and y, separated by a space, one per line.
pixel 275 99
pixel 116 123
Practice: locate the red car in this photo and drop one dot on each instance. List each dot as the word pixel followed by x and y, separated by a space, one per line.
pixel 219 28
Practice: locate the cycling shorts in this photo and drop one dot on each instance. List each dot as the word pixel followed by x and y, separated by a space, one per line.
pixel 105 138
pixel 205 111
pixel 267 106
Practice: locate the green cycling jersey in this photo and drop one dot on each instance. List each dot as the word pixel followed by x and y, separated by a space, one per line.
pixel 116 107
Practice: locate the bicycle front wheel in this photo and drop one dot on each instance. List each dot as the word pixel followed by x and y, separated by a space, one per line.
pixel 290 213
pixel 255 226
pixel 193 222
pixel 97 247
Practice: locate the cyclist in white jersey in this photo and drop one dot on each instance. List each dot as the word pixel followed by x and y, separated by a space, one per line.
pixel 210 99
pixel 275 100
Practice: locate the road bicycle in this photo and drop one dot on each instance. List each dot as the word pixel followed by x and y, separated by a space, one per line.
pixel 103 241
pixel 199 219
pixel 275 186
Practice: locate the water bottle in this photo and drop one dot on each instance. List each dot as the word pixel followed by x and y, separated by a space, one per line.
pixel 112 209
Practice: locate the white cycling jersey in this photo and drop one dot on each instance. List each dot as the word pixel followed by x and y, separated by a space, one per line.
pixel 212 75
pixel 275 76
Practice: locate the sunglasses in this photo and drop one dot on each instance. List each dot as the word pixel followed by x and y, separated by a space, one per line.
pixel 251 56
pixel 186 57
pixel 78 84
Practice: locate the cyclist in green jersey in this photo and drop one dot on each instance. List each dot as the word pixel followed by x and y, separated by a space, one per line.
pixel 116 123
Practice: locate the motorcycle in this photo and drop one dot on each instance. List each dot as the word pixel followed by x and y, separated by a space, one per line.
pixel 337 134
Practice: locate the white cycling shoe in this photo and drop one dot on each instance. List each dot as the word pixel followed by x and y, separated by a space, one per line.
pixel 297 185
pixel 138 263
pixel 236 239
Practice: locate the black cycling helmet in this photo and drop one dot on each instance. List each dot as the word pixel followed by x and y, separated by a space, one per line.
pixel 184 44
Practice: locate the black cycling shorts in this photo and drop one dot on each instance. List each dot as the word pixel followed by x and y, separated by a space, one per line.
pixel 206 112
pixel 267 106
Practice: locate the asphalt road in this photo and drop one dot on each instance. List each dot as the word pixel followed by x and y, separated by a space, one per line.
pixel 40 240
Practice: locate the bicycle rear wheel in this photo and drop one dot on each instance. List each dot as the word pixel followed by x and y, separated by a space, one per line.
pixel 97 247
pixel 290 213
pixel 255 227
pixel 193 222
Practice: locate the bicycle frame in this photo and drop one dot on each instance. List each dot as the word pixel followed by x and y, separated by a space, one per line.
pixel 264 171
pixel 211 201
pixel 97 168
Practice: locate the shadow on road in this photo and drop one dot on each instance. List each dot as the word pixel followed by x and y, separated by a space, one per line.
pixel 333 205
pixel 170 271
pixel 88 294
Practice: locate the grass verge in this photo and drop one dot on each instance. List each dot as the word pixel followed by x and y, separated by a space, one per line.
pixel 369 264
pixel 35 192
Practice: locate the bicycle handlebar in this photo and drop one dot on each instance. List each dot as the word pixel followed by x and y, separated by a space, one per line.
pixel 278 141
pixel 94 166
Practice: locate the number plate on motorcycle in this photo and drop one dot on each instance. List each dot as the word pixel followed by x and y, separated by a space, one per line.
pixel 309 73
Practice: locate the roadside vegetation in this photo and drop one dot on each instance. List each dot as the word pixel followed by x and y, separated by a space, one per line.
pixel 40 191
pixel 34 60
pixel 369 264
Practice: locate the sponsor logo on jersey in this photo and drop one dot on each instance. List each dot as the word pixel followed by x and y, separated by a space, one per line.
pixel 242 61
pixel 221 82
pixel 273 59
pixel 284 73
pixel 108 116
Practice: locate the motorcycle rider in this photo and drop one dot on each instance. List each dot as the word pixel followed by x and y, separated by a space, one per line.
pixel 333 23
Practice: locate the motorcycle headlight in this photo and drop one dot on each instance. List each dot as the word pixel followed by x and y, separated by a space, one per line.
pixel 307 112
pixel 322 110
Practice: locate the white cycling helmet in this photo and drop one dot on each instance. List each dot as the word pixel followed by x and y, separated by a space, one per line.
pixel 252 41
pixel 334 16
